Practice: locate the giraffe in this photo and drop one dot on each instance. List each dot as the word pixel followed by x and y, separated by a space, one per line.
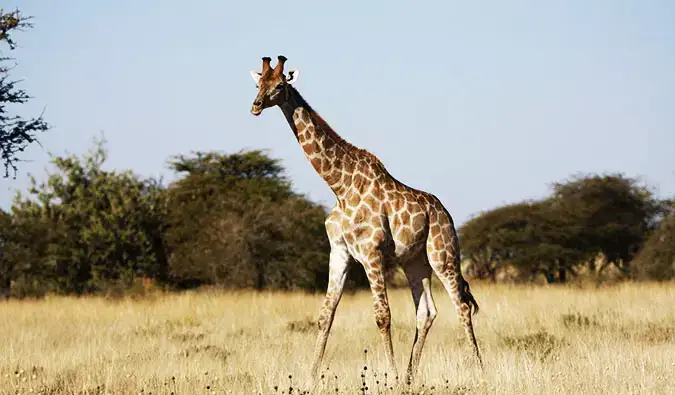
pixel 376 221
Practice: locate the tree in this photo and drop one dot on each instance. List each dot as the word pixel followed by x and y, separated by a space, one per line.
pixel 102 227
pixel 6 268
pixel 547 244
pixel 16 132
pixel 529 236
pixel 22 246
pixel 236 222
pixel 656 260
pixel 613 213
pixel 484 238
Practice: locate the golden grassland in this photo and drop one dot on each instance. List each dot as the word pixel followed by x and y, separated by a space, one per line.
pixel 535 340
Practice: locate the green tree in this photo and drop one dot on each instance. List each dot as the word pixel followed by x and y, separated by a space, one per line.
pixel 236 222
pixel 103 227
pixel 529 236
pixel 656 260
pixel 485 238
pixel 16 132
pixel 6 245
pixel 546 244
pixel 614 214
pixel 22 244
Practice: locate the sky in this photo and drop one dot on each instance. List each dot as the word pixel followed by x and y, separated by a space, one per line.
pixel 481 103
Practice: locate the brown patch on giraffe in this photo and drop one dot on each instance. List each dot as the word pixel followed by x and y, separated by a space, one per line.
pixel 362 166
pixel 304 116
pixel 316 163
pixel 386 207
pixel 361 214
pixel 378 237
pixel 362 232
pixel 311 148
pixel 405 218
pixel 397 204
pixel 334 177
pixel 328 143
pixel 337 161
pixel 372 202
pixel 353 199
pixel 349 238
pixel 438 243
pixel 405 236
pixel 349 165
pixel 396 223
pixel 357 180
pixel 360 183
pixel 301 138
pixel 418 222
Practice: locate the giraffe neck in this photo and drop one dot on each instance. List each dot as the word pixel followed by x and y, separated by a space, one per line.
pixel 331 156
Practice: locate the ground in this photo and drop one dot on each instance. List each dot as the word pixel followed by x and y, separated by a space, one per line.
pixel 535 340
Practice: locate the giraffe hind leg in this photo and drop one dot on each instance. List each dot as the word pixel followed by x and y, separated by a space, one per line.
pixel 418 273
pixel 443 254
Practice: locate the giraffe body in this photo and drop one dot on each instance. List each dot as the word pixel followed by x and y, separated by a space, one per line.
pixel 377 221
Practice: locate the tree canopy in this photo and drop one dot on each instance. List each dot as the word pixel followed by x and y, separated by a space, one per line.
pixel 584 217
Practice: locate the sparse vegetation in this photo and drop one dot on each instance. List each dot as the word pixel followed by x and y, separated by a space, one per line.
pixel 536 340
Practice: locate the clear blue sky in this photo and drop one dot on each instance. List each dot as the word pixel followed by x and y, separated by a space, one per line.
pixel 479 103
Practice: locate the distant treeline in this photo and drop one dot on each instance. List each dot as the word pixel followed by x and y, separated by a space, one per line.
pixel 598 226
pixel 234 221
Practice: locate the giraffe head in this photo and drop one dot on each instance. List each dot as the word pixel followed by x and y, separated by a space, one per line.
pixel 273 86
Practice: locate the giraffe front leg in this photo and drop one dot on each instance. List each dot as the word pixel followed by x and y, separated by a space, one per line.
pixel 338 265
pixel 374 269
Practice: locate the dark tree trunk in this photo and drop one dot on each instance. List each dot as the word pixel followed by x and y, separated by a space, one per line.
pixel 562 276
pixel 493 276
pixel 5 287
pixel 550 277
pixel 260 277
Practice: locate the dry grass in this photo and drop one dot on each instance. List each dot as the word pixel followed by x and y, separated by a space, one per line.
pixel 616 340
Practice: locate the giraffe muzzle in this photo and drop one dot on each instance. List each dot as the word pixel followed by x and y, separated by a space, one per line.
pixel 256 109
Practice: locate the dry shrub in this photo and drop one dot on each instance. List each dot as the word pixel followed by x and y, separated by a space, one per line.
pixel 539 345
pixel 302 326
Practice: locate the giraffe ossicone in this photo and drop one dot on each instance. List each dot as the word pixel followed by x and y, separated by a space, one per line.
pixel 376 221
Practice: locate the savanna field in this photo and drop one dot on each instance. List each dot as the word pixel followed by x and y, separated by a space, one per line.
pixel 535 340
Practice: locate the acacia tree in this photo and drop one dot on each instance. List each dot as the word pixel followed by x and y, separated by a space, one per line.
pixel 16 132
pixel 529 236
pixel 613 213
pixel 485 238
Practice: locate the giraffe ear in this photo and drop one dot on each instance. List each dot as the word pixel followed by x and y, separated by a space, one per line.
pixel 255 75
pixel 292 76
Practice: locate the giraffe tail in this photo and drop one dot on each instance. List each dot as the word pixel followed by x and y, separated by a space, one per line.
pixel 467 297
